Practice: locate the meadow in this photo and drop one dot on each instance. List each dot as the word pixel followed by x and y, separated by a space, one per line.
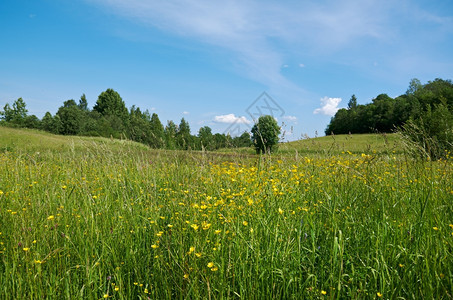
pixel 92 218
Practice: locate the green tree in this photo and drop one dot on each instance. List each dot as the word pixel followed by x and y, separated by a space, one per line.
pixel 183 137
pixel 265 134
pixel 432 134
pixel 340 123
pixel 170 135
pixel 47 122
pixel 352 104
pixel 71 118
pixel 206 138
pixel 7 113
pixel 57 125
pixel 139 129
pixel 220 141
pixel 110 103
pixel 414 86
pixel 383 111
pixel 157 132
pixel 115 115
pixel 19 111
pixel 83 103
pixel 16 114
pixel 32 122
pixel 243 140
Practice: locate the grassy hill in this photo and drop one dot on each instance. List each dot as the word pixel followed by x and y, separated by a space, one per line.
pixel 27 140
pixel 335 144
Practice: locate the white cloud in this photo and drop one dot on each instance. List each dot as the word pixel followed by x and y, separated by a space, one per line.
pixel 329 106
pixel 290 118
pixel 302 65
pixel 231 118
pixel 185 112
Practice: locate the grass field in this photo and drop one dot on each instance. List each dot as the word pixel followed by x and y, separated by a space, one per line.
pixel 94 218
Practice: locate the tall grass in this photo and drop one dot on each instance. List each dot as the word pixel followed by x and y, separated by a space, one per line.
pixel 125 223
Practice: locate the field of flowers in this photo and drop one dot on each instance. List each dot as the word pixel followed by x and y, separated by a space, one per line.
pixel 159 224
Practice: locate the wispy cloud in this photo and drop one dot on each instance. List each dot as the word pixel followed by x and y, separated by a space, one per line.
pixel 231 118
pixel 257 31
pixel 290 119
pixel 262 36
pixel 329 106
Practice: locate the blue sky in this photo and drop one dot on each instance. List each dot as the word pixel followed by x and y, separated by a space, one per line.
pixel 209 61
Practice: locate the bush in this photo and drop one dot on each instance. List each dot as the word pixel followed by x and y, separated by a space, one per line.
pixel 431 135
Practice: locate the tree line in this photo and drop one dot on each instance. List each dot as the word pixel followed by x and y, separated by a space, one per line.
pixel 385 114
pixel 424 116
pixel 109 117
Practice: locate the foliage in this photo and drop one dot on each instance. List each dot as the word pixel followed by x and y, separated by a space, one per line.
pixel 430 136
pixel 183 137
pixel 265 134
pixel 15 115
pixel 170 135
pixel 157 132
pixel 71 118
pixel 386 114
pixel 206 138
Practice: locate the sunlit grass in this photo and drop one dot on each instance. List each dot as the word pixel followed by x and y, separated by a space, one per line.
pixel 123 222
